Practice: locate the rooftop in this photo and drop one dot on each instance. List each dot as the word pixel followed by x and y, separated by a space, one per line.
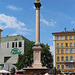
pixel 13 38
pixel 64 32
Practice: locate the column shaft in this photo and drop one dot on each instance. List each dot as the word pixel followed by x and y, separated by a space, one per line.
pixel 37 26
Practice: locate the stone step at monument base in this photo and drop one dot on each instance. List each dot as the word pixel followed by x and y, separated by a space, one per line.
pixel 36 70
pixel 37 65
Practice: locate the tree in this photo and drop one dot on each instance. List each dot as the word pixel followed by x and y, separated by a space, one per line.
pixel 13 71
pixel 27 58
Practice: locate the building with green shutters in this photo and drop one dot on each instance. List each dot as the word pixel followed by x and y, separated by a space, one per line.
pixel 11 47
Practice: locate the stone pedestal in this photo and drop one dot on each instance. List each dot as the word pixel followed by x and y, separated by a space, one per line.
pixel 37 57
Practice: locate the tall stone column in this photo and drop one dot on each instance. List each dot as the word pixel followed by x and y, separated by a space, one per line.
pixel 0 38
pixel 37 48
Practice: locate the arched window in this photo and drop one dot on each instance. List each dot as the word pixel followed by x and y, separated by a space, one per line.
pixel 71 58
pixel 62 58
pixel 57 51
pixel 58 58
pixel 66 58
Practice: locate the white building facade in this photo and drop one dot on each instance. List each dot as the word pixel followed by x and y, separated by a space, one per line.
pixel 11 47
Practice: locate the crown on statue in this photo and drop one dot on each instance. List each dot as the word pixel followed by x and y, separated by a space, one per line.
pixel 37 1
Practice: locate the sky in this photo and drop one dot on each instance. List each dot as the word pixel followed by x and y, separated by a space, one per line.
pixel 18 17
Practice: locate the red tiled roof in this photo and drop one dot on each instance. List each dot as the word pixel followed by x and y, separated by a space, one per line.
pixel 64 32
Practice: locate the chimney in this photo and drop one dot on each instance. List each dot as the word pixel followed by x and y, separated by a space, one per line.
pixel 73 29
pixel 65 29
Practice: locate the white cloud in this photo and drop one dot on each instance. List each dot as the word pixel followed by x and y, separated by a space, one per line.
pixel 51 49
pixel 72 22
pixel 12 22
pixel 13 34
pixel 49 23
pixel 11 7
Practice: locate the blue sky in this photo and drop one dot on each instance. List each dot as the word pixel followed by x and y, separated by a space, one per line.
pixel 17 17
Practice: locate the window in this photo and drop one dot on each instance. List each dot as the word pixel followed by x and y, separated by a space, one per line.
pixel 67 66
pixel 70 44
pixel 57 51
pixel 71 58
pixel 70 37
pixel 57 44
pixel 74 43
pixel 66 51
pixel 62 66
pixel 61 37
pixel 58 66
pixel 16 44
pixel 74 37
pixel 57 58
pixel 57 38
pixel 71 51
pixel 66 58
pixel 62 58
pixel 65 37
pixel 7 45
pixel 62 51
pixel 66 44
pixel 12 44
pixel 74 50
pixel 20 44
pixel 71 66
pixel 61 44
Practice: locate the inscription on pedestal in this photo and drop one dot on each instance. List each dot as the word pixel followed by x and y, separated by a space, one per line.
pixel 36 56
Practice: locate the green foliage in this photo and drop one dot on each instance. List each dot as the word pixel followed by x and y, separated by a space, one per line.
pixel 27 58
pixel 12 70
pixel 46 56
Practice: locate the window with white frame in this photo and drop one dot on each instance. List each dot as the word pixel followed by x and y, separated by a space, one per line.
pixel 7 45
pixel 57 37
pixel 58 58
pixel 57 51
pixel 62 51
pixel 71 66
pixel 13 45
pixel 70 44
pixel 66 50
pixel 62 66
pixel 67 66
pixel 71 51
pixel 57 44
pixel 20 44
pixel 61 44
pixel 62 58
pixel 61 37
pixel 66 44
pixel 58 66
pixel 71 58
pixel 66 58
pixel 66 38
pixel 70 37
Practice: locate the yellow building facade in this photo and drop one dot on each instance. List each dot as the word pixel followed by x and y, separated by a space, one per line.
pixel 64 51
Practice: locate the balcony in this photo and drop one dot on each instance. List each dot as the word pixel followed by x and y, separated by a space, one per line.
pixel 66 62
pixel 68 70
pixel 65 47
